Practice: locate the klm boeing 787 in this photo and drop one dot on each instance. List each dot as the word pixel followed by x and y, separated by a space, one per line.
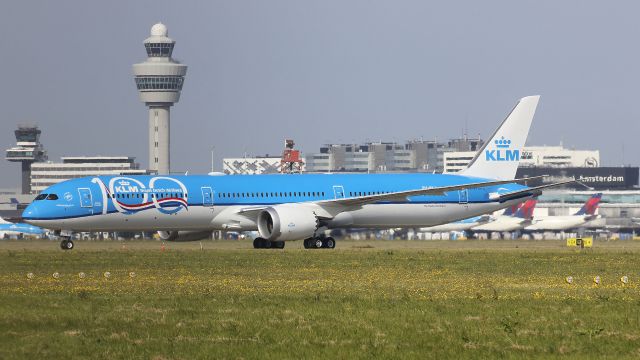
pixel 291 207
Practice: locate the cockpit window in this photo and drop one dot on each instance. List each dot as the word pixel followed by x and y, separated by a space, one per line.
pixel 52 197
pixel 41 197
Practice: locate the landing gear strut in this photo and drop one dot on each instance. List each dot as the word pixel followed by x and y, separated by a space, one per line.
pixel 319 243
pixel 260 243
pixel 66 244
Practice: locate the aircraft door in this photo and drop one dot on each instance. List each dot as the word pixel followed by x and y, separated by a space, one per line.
pixel 338 191
pixel 463 196
pixel 207 196
pixel 86 200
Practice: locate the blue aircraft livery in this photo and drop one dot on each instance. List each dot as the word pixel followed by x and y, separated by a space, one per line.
pixel 289 207
pixel 10 230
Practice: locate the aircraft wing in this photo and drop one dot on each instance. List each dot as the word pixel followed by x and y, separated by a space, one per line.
pixel 329 208
pixel 403 195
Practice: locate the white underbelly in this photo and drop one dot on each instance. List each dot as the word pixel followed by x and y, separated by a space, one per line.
pixel 384 216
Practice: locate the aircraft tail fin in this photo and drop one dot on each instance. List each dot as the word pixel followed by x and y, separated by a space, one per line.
pixel 511 210
pixel 526 210
pixel 500 155
pixel 590 207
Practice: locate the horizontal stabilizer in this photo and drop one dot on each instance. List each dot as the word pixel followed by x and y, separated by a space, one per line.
pixel 532 191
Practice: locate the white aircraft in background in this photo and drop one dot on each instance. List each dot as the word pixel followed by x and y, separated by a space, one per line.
pixel 558 223
pixel 468 224
pixel 506 223
pixel 462 225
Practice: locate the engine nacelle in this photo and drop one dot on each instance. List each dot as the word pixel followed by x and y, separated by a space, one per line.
pixel 287 222
pixel 180 236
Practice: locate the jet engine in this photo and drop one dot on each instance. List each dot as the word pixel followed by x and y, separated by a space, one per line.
pixel 183 236
pixel 282 222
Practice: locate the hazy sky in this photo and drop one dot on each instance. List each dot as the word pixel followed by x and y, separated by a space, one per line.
pixel 318 72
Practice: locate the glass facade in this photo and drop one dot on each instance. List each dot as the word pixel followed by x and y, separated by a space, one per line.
pixel 171 83
pixel 159 49
pixel 620 197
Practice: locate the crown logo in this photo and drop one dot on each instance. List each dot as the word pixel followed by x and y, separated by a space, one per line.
pixel 503 143
pixel 124 183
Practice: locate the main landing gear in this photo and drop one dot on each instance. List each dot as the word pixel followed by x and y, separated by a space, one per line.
pixel 260 243
pixel 66 244
pixel 320 243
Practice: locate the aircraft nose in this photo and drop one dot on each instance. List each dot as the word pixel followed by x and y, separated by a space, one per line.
pixel 30 213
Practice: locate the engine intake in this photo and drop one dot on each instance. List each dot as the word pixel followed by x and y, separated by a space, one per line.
pixel 183 236
pixel 287 222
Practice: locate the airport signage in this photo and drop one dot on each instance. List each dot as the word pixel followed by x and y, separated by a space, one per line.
pixel 599 178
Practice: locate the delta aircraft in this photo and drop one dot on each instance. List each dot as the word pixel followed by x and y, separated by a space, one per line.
pixel 292 207
pixel 511 222
pixel 14 230
pixel 561 223
pixel 459 226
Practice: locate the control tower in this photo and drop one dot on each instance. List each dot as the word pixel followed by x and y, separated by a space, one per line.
pixel 159 80
pixel 27 151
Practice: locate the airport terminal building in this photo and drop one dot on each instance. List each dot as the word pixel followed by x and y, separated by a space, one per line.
pixel 251 165
pixel 415 155
pixel 45 174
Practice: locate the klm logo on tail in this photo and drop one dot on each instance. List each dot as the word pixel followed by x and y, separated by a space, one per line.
pixel 502 153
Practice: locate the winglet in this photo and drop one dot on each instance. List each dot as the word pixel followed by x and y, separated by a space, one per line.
pixel 500 155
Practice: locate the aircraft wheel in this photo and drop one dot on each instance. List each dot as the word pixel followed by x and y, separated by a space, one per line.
pixel 258 243
pixel 329 243
pixel 66 244
pixel 307 243
pixel 277 244
pixel 317 243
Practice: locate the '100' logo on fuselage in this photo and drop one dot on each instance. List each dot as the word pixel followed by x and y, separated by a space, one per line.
pixel 502 153
pixel 166 194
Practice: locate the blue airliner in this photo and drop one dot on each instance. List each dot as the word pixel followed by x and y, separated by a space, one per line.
pixel 291 207
pixel 9 229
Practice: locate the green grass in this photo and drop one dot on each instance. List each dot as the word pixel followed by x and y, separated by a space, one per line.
pixel 387 299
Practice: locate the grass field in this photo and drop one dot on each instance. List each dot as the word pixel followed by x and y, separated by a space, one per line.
pixel 385 299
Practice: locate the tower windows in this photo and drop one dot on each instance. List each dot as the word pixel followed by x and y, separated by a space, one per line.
pixel 159 49
pixel 155 83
